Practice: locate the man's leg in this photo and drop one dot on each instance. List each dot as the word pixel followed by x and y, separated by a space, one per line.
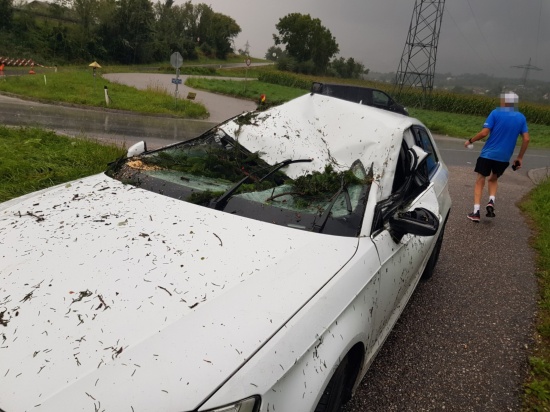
pixel 492 187
pixel 492 184
pixel 478 191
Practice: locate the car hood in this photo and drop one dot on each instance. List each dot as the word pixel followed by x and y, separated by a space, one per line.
pixel 124 299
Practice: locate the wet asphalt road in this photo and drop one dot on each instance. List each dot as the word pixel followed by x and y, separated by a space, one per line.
pixel 463 340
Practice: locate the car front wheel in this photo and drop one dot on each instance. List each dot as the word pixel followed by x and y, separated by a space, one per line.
pixel 333 396
pixel 434 257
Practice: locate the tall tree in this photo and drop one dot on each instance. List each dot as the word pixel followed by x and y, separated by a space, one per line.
pixel 86 10
pixel 348 69
pixel 306 39
pixel 224 30
pixel 275 53
pixel 215 30
pixel 135 22
pixel 6 14
pixel 175 30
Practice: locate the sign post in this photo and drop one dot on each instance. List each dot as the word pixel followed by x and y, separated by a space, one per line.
pixel 94 65
pixel 247 61
pixel 176 61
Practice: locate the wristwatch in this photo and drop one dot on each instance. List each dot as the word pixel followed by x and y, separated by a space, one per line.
pixel 470 141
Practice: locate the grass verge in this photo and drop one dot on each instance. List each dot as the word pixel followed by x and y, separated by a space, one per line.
pixel 33 159
pixel 80 87
pixel 246 89
pixel 537 389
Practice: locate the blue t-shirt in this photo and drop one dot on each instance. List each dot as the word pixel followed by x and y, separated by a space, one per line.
pixel 506 124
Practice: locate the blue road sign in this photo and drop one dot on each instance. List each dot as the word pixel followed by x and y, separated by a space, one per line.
pixel 177 81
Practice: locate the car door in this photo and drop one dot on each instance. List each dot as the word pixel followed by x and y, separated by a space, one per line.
pixel 402 260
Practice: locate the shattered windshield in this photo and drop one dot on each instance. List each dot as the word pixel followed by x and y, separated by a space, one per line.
pixel 215 171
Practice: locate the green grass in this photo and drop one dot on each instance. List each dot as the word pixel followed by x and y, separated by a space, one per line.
pixel 33 159
pixel 247 89
pixel 537 389
pixel 79 87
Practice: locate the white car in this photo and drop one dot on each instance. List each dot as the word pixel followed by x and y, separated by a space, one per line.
pixel 257 267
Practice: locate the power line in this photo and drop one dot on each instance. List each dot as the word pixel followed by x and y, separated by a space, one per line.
pixel 526 69
pixel 468 43
pixel 482 35
pixel 538 35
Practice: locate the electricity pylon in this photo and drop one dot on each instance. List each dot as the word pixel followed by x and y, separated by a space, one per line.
pixel 417 65
pixel 526 68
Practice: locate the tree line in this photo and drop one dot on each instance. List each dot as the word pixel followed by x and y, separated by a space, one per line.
pixel 141 32
pixel 117 31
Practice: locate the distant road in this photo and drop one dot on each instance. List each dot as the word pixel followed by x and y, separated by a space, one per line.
pixel 220 107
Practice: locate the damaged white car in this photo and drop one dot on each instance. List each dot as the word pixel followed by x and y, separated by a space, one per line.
pixel 258 267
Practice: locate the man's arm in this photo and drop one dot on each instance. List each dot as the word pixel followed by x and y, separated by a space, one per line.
pixel 481 135
pixel 523 148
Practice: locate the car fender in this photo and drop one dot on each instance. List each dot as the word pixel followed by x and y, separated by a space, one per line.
pixel 298 362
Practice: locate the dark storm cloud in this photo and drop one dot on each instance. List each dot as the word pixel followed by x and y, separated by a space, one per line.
pixel 486 36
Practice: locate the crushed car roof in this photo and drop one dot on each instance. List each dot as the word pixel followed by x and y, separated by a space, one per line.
pixel 325 129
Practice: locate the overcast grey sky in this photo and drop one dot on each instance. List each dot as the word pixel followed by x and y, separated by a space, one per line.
pixel 477 36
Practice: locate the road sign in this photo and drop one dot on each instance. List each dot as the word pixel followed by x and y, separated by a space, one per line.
pixel 248 62
pixel 177 81
pixel 176 60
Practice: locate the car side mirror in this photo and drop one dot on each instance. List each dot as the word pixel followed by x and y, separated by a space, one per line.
pixel 137 149
pixel 416 156
pixel 419 222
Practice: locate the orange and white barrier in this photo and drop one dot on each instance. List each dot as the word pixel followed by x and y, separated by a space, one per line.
pixel 13 62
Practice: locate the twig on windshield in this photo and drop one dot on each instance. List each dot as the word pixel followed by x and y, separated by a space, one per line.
pixel 283 194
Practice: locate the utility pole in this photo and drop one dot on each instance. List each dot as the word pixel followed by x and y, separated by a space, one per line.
pixel 526 69
pixel 417 65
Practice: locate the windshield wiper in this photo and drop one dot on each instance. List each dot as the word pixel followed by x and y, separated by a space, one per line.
pixel 221 202
pixel 318 227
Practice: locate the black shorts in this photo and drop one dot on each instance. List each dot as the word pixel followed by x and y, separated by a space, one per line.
pixel 487 166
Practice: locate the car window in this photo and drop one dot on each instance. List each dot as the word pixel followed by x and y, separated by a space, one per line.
pixel 423 140
pixel 380 98
pixel 406 186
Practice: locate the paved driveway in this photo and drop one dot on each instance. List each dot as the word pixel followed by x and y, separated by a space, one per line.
pixel 220 107
pixel 463 341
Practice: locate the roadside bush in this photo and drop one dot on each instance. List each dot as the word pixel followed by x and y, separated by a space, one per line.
pixel 307 67
pixel 286 64
pixel 207 50
pixel 285 79
pixel 199 71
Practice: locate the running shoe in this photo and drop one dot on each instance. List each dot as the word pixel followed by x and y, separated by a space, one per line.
pixel 474 217
pixel 490 209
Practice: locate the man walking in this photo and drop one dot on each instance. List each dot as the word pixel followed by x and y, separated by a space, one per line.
pixel 503 126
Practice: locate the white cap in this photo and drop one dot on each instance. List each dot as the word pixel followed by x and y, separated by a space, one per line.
pixel 510 98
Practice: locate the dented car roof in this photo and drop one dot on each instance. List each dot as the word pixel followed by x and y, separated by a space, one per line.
pixel 326 129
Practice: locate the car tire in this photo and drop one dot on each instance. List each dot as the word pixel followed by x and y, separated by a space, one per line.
pixel 434 257
pixel 334 395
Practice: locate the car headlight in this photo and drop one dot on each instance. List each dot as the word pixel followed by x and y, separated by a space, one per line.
pixel 246 405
